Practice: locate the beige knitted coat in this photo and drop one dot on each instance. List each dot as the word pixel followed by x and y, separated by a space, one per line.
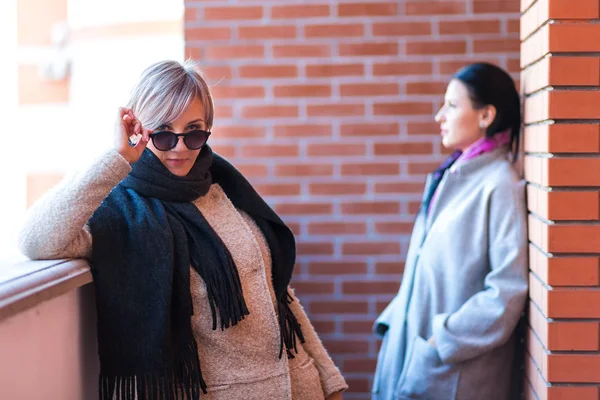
pixel 239 363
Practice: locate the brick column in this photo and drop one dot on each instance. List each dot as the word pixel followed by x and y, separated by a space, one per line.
pixel 561 77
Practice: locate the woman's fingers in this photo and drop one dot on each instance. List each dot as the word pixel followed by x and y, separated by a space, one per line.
pixel 146 134
pixel 141 144
pixel 134 123
pixel 133 129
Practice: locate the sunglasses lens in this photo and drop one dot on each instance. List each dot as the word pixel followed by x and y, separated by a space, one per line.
pixel 195 139
pixel 164 140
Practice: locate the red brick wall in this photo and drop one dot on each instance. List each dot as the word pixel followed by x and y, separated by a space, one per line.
pixel 564 339
pixel 327 106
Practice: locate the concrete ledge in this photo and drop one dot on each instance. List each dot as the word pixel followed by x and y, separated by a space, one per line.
pixel 26 284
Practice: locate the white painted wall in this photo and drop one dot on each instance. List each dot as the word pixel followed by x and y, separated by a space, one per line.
pixel 14 143
pixel 103 74
pixel 84 13
pixel 63 138
pixel 103 71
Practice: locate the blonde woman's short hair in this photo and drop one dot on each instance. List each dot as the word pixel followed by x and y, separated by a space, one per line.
pixel 164 91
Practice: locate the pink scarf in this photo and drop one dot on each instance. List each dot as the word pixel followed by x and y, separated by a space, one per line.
pixel 483 145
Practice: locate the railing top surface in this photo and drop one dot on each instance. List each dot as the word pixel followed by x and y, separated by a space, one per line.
pixel 25 284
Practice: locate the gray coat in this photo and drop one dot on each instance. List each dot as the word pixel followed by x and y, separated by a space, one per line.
pixel 465 284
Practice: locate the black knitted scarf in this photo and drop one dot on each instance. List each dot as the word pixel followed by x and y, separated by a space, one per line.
pixel 146 234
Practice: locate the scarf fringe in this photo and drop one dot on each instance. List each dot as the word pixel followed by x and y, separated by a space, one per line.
pixel 223 284
pixel 225 295
pixel 181 382
pixel 290 328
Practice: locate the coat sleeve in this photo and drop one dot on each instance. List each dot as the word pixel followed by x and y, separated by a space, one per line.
pixel 55 226
pixel 488 319
pixel 331 379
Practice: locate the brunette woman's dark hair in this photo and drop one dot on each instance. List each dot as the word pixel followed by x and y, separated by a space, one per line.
pixel 489 84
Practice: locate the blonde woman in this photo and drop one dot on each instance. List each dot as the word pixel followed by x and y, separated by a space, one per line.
pixel 191 267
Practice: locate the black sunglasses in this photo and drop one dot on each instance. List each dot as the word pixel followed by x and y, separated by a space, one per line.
pixel 166 140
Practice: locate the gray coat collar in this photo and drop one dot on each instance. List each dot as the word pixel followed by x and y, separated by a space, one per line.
pixel 467 167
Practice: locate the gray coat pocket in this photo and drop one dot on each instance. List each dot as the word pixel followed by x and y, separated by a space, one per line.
pixel 425 376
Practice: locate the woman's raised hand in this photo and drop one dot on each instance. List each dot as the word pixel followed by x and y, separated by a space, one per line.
pixel 128 131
